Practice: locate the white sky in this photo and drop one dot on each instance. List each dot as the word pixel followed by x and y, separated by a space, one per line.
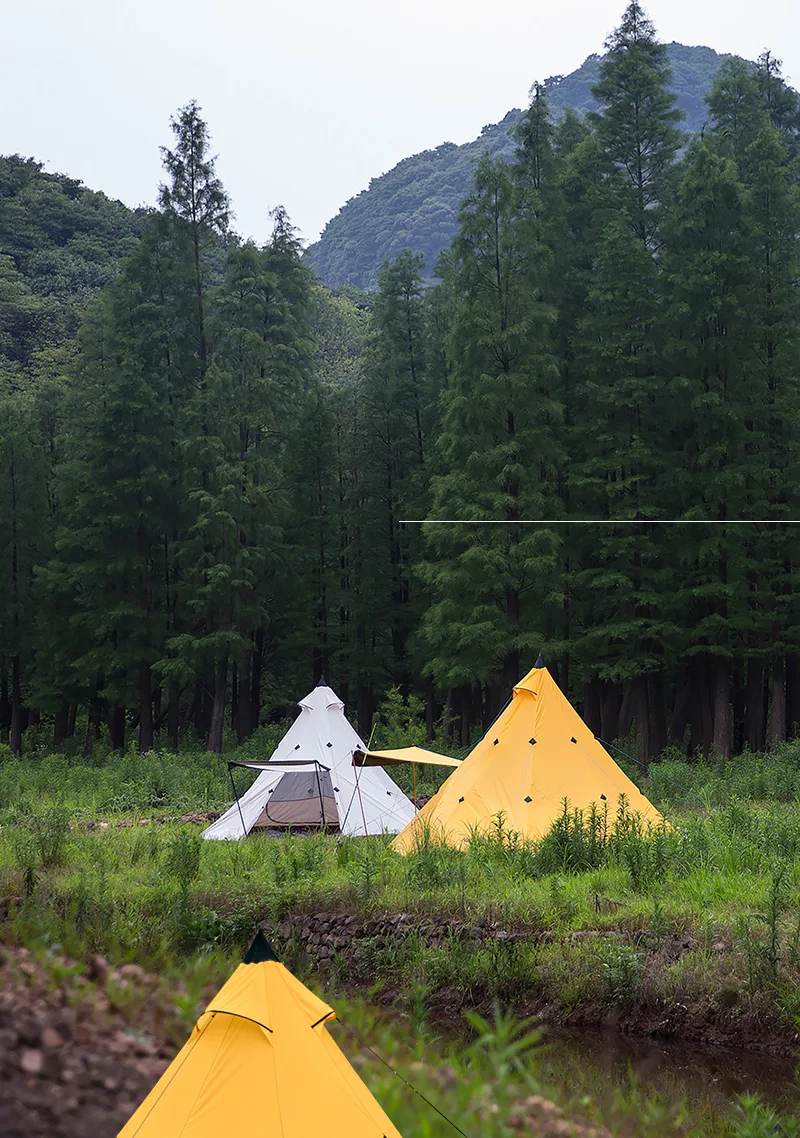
pixel 307 100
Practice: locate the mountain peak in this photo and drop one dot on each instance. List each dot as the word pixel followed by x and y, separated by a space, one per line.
pixel 433 183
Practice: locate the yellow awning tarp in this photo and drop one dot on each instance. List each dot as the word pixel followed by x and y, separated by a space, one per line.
pixel 537 753
pixel 260 1061
pixel 402 755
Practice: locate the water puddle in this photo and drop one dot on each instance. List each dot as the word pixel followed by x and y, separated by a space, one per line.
pixel 707 1080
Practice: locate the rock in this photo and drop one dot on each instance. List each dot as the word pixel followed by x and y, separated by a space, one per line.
pixel 51 1039
pixel 31 1061
pixel 131 972
pixel 97 969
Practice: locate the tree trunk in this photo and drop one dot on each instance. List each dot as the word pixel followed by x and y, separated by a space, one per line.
pixel 754 706
pixel 680 713
pixel 657 713
pixel 627 710
pixel 609 711
pixel 5 705
pixel 241 720
pixel 564 678
pixel 218 707
pixel 15 730
pixel 234 693
pixel 256 664
pixel 145 709
pixel 702 731
pixel 95 717
pixel 592 700
pixel 449 713
pixel 777 716
pixel 72 717
pixel 197 706
pixel 116 727
pixel 430 709
pixel 173 714
pixel 364 705
pixel 466 714
pixel 721 699
pixel 640 702
pixel 511 663
pixel 60 726
pixel 738 711
pixel 792 696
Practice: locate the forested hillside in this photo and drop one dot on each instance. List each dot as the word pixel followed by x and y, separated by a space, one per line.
pixel 60 243
pixel 415 205
pixel 207 494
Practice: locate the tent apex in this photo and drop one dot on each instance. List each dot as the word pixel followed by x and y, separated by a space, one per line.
pixel 259 951
pixel 540 662
pixel 321 682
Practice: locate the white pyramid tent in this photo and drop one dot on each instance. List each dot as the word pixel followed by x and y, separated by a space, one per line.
pixel 310 776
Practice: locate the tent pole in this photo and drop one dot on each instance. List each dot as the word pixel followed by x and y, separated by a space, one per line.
pixel 321 803
pixel 238 804
pixel 361 803
pixel 414 769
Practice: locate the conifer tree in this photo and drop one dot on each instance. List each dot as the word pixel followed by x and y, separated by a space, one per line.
pixel 498 450
pixel 246 410
pixel 23 537
pixel 636 126
pixel 712 281
pixel 196 201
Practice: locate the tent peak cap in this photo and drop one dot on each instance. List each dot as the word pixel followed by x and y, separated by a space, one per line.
pixel 539 662
pixel 260 951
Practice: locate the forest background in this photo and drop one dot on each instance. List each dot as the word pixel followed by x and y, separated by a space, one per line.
pixel 207 457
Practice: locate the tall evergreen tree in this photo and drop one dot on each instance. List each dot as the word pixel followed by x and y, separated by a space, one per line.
pixel 498 451
pixel 637 123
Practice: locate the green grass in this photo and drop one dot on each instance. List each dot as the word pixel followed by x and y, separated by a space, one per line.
pixel 724 879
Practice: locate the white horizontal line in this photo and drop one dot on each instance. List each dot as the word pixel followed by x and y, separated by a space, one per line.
pixel 601 522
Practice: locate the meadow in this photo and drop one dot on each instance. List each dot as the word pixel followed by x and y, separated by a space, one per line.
pixel 691 930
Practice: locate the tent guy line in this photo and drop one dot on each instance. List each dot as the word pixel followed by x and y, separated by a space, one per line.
pixel 600 522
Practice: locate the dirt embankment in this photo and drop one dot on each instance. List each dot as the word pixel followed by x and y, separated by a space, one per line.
pixel 722 1017
pixel 70 1064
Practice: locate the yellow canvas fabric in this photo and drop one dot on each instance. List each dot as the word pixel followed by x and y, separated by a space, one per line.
pixel 539 749
pixel 402 755
pixel 260 1061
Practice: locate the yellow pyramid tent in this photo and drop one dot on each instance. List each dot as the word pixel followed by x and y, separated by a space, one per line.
pixel 537 753
pixel 260 1061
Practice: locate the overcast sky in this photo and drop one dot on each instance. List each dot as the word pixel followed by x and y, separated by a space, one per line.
pixel 307 99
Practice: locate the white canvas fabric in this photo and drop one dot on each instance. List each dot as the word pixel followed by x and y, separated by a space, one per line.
pixel 368 801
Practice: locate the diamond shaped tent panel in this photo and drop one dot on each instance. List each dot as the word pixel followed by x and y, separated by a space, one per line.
pixel 249 1063
pixel 310 781
pixel 537 753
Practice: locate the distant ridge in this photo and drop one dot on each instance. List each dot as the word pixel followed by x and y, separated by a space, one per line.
pixel 414 205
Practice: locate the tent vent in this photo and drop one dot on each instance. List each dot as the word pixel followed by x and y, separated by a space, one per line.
pixel 461 799
pixel 573 739
pixel 603 797
pixel 528 798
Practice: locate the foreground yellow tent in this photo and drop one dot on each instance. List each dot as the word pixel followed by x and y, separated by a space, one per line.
pixel 537 753
pixel 260 1061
